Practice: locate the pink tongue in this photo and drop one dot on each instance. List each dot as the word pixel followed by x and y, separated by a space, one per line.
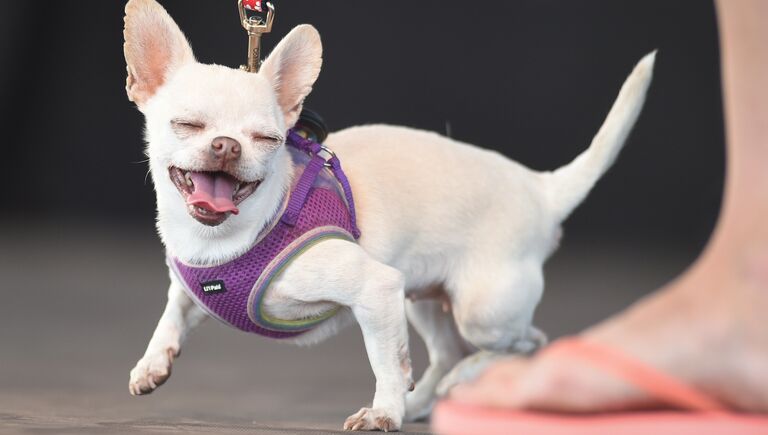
pixel 213 192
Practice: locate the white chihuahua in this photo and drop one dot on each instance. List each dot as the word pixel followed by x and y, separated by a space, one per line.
pixel 461 231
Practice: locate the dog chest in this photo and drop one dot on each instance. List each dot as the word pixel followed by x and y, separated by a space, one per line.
pixel 319 207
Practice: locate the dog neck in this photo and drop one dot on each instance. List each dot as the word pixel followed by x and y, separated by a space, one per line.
pixel 197 244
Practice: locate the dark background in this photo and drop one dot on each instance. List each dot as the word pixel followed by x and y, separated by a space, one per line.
pixel 82 274
pixel 533 79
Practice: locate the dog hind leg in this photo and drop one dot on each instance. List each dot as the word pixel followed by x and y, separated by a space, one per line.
pixel 494 310
pixel 445 347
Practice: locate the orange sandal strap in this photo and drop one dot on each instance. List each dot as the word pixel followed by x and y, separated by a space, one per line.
pixel 663 387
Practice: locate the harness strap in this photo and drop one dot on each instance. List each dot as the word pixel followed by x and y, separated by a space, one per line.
pixel 308 177
pixel 342 178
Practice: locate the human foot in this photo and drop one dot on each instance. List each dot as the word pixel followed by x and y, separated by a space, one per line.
pixel 706 330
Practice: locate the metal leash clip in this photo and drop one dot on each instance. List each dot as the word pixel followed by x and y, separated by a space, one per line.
pixel 255 26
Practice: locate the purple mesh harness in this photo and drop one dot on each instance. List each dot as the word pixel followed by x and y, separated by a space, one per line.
pixel 320 207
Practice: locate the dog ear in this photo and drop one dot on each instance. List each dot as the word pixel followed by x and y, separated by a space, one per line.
pixel 293 67
pixel 154 48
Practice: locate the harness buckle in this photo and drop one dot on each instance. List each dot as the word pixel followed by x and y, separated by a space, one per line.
pixel 255 26
pixel 330 153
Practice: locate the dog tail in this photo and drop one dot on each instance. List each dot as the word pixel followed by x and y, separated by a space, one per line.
pixel 569 185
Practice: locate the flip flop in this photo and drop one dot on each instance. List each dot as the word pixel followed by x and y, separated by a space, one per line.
pixel 691 411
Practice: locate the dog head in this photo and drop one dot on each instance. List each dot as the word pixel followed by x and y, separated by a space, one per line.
pixel 215 135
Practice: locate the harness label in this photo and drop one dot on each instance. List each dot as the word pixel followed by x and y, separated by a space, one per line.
pixel 213 287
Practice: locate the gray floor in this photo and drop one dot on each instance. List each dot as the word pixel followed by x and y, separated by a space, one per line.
pixel 78 307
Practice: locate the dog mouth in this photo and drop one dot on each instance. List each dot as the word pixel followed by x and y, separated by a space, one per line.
pixel 211 196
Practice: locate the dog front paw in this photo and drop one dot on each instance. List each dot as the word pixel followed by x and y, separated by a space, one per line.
pixel 373 419
pixel 150 372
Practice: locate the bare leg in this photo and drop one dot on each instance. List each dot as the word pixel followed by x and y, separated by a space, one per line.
pixel 707 327
pixel 181 315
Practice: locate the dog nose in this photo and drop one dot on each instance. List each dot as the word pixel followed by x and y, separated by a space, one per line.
pixel 226 148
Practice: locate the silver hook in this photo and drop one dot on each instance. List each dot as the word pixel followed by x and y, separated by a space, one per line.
pixel 255 26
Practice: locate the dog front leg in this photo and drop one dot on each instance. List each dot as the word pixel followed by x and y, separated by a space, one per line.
pixel 181 315
pixel 343 273
pixel 380 311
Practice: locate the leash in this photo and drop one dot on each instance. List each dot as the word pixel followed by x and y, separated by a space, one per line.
pixel 255 25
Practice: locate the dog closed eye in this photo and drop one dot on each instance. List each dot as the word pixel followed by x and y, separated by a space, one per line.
pixel 186 127
pixel 272 139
